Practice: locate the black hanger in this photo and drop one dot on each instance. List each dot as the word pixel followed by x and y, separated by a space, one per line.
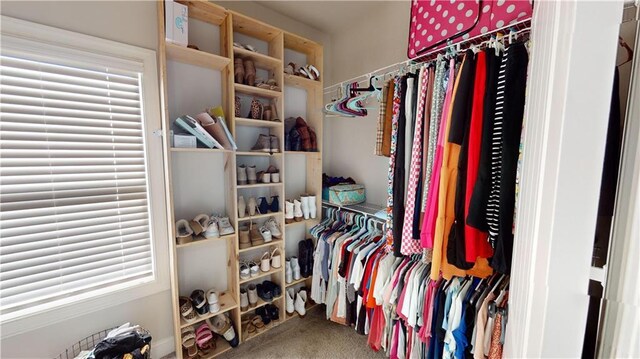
pixel 367 89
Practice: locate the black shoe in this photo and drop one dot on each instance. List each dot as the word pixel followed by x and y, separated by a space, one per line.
pixel 310 250
pixel 264 314
pixel 264 292
pixel 274 311
pixel 264 206
pixel 275 204
pixel 303 258
pixel 273 288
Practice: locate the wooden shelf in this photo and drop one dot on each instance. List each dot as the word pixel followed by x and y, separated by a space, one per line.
pixel 261 303
pixel 266 328
pixel 196 57
pixel 226 304
pixel 275 242
pixel 262 275
pixel 256 123
pixel 222 346
pixel 306 153
pixel 201 240
pixel 250 153
pixel 256 91
pixel 259 216
pixel 259 185
pixel 199 150
pixel 305 221
pixel 301 82
pixel 301 280
pixel 260 60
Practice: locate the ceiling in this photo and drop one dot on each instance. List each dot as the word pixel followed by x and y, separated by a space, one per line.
pixel 326 16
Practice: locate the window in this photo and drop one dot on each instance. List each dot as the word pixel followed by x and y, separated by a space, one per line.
pixel 80 216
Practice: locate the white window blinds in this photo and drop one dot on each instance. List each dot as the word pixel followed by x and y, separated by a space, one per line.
pixel 74 211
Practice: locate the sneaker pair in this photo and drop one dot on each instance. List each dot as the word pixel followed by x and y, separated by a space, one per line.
pixel 267 143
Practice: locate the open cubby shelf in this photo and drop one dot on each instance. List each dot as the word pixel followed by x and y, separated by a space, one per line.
pixel 234 27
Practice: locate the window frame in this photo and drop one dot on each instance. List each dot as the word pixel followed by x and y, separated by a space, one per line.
pixel 100 299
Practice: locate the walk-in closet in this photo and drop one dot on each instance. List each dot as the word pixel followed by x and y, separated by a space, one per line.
pixel 195 179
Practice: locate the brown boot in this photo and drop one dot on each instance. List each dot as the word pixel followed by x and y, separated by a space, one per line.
pixel 305 137
pixel 238 70
pixel 266 113
pixel 249 73
pixel 314 140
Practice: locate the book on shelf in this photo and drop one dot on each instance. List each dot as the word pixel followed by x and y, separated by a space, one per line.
pixel 218 113
pixel 192 126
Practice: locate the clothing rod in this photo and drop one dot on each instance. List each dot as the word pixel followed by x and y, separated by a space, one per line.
pixel 354 210
pixel 522 26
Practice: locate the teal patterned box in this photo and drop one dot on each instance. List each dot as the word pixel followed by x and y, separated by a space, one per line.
pixel 347 194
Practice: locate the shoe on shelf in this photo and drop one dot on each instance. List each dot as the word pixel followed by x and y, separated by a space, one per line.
pixel 184 233
pixel 222 325
pixel 291 294
pixel 275 204
pixel 290 69
pixel 264 314
pixel 264 177
pixel 310 250
pixel 297 210
pixel 312 207
pixel 252 205
pixel 288 272
pixel 256 110
pixel 288 212
pixel 252 294
pixel 238 70
pixel 238 107
pixel 273 311
pixel 199 302
pixel 314 140
pixel 295 140
pixel 254 269
pixel 254 234
pixel 263 144
pixel 274 144
pixel 251 175
pixel 189 342
pixel 186 309
pixel 245 271
pixel 242 207
pixel 266 234
pixel 199 223
pixel 301 302
pixel 267 113
pixel 304 200
pixel 244 300
pixel 276 258
pixel 225 226
pixel 263 208
pixel 211 230
pixel 212 299
pixel 242 175
pixel 303 130
pixel 249 73
pixel 275 174
pixel 264 292
pixel 244 241
pixel 295 268
pixel 303 257
pixel 265 262
pixel 274 228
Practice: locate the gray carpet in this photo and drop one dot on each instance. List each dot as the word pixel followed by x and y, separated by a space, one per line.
pixel 310 337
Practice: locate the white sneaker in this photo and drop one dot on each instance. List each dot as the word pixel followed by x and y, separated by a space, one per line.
pixel 211 230
pixel 290 296
pixel 273 227
pixel 295 268
pixel 288 212
pixel 301 301
pixel 297 210
pixel 266 234
pixel 288 272
pixel 224 226
pixel 312 207
pixel 305 206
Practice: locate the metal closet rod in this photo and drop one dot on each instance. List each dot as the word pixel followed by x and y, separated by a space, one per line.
pixel 521 26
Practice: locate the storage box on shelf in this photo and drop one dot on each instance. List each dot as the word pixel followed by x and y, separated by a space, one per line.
pixel 214 30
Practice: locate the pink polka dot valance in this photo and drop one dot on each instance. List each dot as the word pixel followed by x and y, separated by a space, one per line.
pixel 434 22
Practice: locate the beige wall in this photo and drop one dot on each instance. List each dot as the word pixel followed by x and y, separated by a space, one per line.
pixel 356 50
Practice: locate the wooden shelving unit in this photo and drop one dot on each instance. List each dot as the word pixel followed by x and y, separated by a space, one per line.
pixel 270 59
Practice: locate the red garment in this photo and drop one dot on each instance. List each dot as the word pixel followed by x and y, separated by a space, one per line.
pixel 476 244
pixel 376 329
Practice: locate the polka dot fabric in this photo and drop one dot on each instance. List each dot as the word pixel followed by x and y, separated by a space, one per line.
pixel 433 22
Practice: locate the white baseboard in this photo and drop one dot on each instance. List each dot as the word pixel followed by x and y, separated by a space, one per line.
pixel 162 347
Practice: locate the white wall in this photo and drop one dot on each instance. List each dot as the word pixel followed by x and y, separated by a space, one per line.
pixel 355 50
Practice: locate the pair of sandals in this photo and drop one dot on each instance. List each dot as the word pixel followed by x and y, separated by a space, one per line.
pixel 198 341
pixel 254 325
pixel 271 260
pixel 307 71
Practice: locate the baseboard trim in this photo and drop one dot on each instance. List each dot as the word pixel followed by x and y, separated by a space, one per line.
pixel 162 347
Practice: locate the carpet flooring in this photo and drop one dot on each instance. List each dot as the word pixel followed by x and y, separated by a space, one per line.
pixel 310 337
